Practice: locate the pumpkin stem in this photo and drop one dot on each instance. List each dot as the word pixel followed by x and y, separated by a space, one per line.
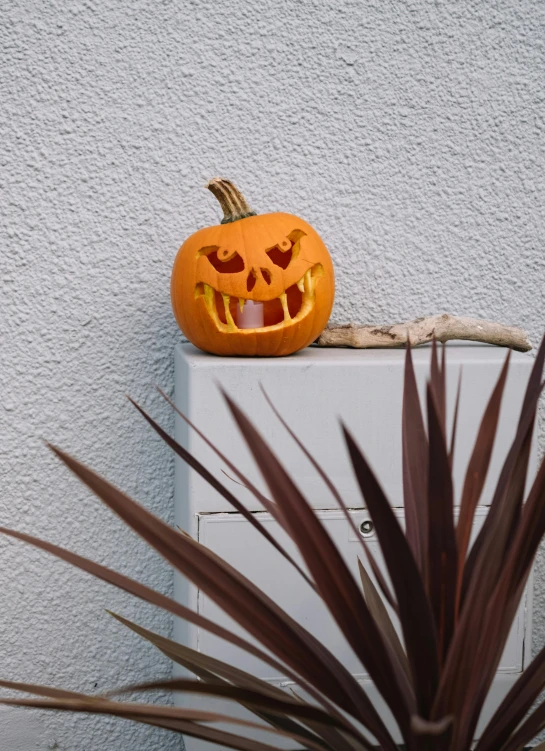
pixel 231 200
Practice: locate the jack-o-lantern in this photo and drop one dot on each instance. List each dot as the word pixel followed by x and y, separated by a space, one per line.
pixel 253 285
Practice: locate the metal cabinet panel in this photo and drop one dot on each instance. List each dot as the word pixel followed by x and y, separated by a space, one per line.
pixel 236 541
pixel 313 389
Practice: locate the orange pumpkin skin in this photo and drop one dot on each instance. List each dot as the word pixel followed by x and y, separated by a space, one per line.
pixel 275 259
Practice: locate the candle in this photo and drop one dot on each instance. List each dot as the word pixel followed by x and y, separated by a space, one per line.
pixel 250 315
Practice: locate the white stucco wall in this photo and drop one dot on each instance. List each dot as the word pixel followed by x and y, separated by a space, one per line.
pixel 411 134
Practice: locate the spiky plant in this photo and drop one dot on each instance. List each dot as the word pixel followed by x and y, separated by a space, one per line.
pixel 455 602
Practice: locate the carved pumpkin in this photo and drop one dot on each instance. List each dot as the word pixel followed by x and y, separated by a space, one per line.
pixel 253 285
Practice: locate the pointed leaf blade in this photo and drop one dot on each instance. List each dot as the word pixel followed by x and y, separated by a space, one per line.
pixel 414 609
pixel 415 466
pixel 442 549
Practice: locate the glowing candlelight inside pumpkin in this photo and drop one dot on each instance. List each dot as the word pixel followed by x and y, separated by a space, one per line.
pixel 250 315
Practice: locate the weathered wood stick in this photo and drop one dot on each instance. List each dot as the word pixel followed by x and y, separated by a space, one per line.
pixel 444 327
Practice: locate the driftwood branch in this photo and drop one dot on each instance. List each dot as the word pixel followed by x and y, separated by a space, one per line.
pixel 422 330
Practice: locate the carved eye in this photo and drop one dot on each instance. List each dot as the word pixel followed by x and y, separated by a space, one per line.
pixel 222 259
pixel 282 253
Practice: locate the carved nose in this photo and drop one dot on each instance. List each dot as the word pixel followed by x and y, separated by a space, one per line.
pixel 265 274
pixel 251 280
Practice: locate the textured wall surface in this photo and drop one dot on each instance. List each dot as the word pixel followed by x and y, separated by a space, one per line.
pixel 411 134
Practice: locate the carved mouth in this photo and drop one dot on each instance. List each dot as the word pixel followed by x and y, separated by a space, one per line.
pixel 289 307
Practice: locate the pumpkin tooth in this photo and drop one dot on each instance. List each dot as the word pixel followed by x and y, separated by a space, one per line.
pixel 228 317
pixel 284 300
pixel 241 302
pixel 301 284
pixel 209 295
pixel 308 281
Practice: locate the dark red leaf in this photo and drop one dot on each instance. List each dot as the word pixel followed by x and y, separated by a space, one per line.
pixel 186 721
pixel 455 420
pixel 415 467
pixel 526 732
pixel 335 582
pixel 221 489
pixel 148 595
pixel 442 552
pixel 414 609
pixel 526 421
pixel 283 706
pixel 245 481
pixel 210 669
pixel 515 705
pixel 391 638
pixel 335 493
pixel 239 598
pixel 477 468
pixel 492 591
pixel 438 382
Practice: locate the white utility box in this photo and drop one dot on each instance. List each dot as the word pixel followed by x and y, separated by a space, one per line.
pixel 313 390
